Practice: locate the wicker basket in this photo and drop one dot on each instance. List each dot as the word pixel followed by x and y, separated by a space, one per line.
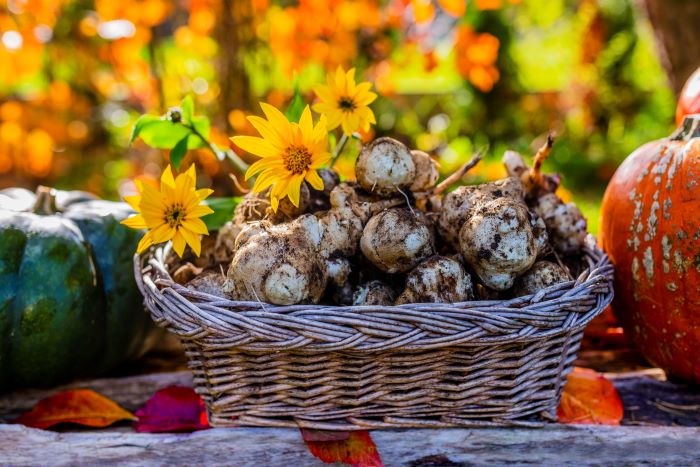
pixel 487 363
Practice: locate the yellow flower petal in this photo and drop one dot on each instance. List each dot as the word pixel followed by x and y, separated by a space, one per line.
pixel 321 161
pixel 340 79
pixel 306 125
pixel 195 225
pixel 166 178
pixel 314 180
pixel 370 116
pixel 263 164
pixel 162 233
pixel 192 240
pixel 278 121
pixel 184 183
pixel 279 189
pixel 350 82
pixel 255 145
pixel 366 98
pixel 199 211
pixel 153 197
pixel 264 180
pixel 203 193
pixel 144 243
pixel 151 213
pixel 266 131
pixel 334 118
pixel 348 129
pixel 191 174
pixel 179 244
pixel 320 132
pixel 324 93
pixel 133 201
pixel 135 222
pixel 294 189
pixel 362 88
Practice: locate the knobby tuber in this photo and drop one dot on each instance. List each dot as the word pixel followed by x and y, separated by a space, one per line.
pixel 565 223
pixel 437 280
pixel 210 282
pixel 426 170
pixel 281 265
pixel 541 275
pixel 385 167
pixel 374 293
pixel 498 242
pixel 341 232
pixel 459 204
pixel 396 240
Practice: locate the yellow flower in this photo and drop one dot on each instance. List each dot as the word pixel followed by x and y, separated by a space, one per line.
pixel 171 213
pixel 345 103
pixel 291 152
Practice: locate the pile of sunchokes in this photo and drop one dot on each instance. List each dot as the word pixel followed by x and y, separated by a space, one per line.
pixel 395 236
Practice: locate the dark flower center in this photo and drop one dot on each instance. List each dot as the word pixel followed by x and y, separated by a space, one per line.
pixel 297 159
pixel 346 104
pixel 174 215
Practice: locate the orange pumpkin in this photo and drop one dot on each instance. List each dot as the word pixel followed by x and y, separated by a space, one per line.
pixel 650 228
pixel 689 101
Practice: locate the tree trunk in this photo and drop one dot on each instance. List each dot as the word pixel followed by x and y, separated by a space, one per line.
pixel 676 26
pixel 234 35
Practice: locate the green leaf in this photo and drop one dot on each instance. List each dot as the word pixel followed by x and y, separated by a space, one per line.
pixel 223 211
pixel 178 152
pixel 142 122
pixel 297 106
pixel 203 127
pixel 163 134
pixel 187 106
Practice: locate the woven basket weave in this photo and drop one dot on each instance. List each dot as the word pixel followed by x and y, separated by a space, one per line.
pixel 486 363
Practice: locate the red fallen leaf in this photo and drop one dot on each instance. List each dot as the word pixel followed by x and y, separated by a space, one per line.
pixel 589 398
pixel 355 448
pixel 175 408
pixel 81 406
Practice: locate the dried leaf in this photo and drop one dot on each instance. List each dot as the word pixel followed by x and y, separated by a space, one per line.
pixel 81 406
pixel 175 408
pixel 589 398
pixel 355 448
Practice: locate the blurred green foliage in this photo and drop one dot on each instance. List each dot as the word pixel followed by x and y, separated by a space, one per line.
pixel 500 76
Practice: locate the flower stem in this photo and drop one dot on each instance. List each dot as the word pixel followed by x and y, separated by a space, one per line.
pixel 237 161
pixel 338 149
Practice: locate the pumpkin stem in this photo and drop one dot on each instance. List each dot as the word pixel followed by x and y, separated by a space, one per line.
pixel 45 203
pixel 690 128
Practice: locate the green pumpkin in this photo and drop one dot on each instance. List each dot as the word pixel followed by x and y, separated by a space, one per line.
pixel 69 306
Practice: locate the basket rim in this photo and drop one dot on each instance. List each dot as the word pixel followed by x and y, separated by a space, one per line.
pixel 563 308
